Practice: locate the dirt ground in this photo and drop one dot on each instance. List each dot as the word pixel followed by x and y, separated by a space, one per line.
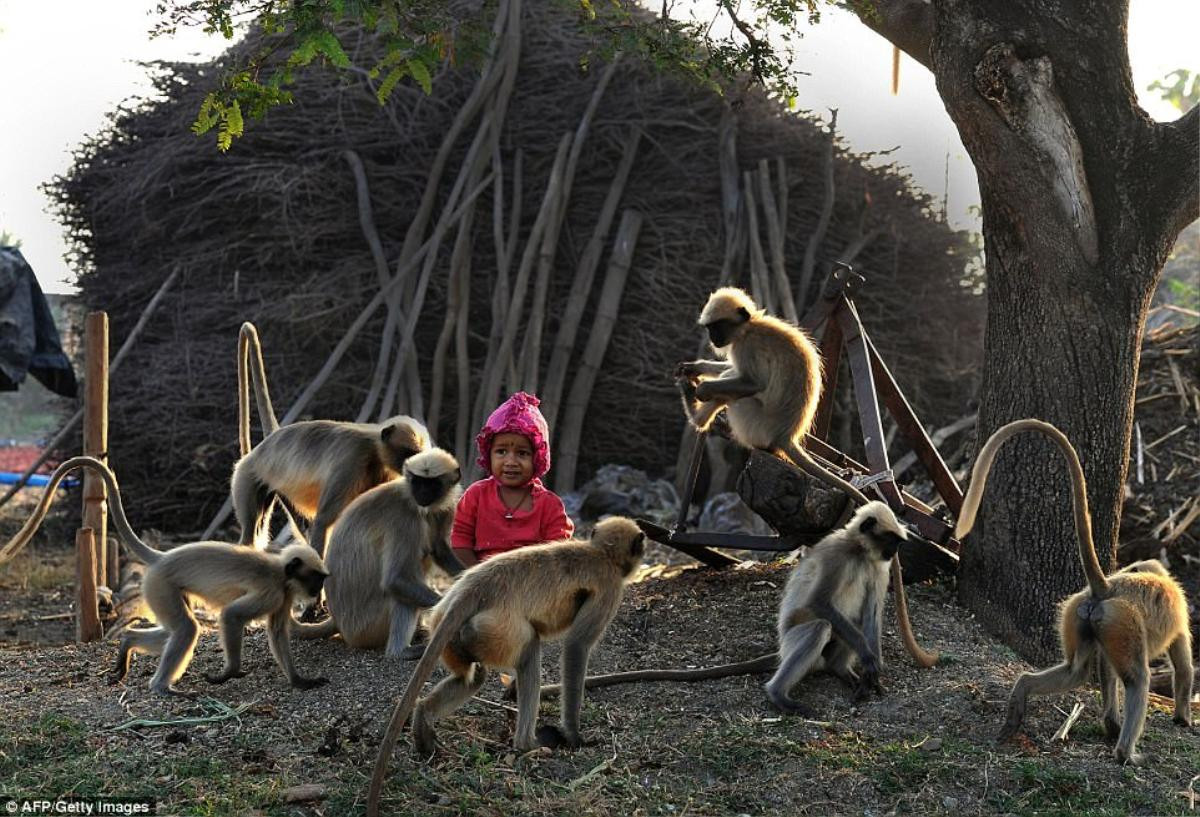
pixel 718 747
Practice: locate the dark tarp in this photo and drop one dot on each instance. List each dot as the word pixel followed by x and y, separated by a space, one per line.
pixel 29 340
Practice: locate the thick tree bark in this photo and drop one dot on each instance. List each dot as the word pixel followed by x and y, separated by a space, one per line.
pixel 1083 196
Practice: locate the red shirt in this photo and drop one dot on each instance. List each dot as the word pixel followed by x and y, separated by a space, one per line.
pixel 484 524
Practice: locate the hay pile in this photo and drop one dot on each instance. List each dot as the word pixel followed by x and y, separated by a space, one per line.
pixel 1162 511
pixel 270 232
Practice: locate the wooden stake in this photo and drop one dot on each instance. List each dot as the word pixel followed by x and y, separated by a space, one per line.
pixel 95 440
pixel 87 611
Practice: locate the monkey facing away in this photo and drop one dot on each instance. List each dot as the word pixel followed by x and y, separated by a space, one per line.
pixel 318 467
pixel 246 584
pixel 831 613
pixel 381 550
pixel 1121 621
pixel 498 614
pixel 769 385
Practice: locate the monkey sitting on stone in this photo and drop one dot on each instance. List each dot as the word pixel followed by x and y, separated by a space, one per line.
pixel 244 583
pixel 769 384
pixel 381 550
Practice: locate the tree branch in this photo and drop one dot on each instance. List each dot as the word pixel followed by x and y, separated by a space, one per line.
pixel 1178 161
pixel 906 24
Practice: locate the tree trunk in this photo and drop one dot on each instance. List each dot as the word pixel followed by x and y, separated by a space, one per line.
pixel 1082 198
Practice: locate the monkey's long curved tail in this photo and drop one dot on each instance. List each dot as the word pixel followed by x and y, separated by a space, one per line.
pixel 323 629
pixel 753 666
pixel 1097 582
pixel 252 371
pixel 143 552
pixel 455 618
pixel 921 657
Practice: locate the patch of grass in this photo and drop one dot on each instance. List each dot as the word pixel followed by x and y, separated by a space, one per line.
pixel 34 571
pixel 49 755
pixel 1044 788
pixel 900 768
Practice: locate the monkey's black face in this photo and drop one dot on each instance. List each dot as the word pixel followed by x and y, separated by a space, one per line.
pixel 427 490
pixel 886 541
pixel 723 332
pixel 308 580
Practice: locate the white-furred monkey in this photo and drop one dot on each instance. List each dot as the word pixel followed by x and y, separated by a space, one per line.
pixel 243 583
pixel 498 614
pixel 831 613
pixel 1120 622
pixel 381 550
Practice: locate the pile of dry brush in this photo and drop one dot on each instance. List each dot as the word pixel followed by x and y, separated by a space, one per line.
pixel 279 231
pixel 1162 511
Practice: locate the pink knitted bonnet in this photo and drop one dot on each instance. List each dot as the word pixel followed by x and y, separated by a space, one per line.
pixel 517 415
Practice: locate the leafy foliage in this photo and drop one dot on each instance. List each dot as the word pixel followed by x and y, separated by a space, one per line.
pixel 1183 91
pixel 728 43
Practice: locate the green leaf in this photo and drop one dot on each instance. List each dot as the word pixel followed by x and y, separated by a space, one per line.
pixel 420 72
pixel 389 83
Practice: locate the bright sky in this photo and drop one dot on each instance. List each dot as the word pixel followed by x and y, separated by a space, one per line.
pixel 65 64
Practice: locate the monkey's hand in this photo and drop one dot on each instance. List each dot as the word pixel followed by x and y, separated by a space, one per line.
pixel 1182 720
pixel 687 370
pixel 1007 731
pixel 300 682
pixel 225 675
pixel 868 681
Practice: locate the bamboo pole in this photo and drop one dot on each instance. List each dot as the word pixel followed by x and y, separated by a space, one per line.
pixel 608 309
pixel 95 436
pixel 87 610
pixel 818 234
pixel 760 281
pixel 581 285
pixel 783 289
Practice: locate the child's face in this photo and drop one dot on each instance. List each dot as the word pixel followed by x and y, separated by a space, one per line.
pixel 512 459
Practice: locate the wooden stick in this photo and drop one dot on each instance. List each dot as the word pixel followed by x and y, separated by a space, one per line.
pixel 607 312
pixel 783 289
pixel 581 284
pixel 87 610
pixel 95 436
pixel 1076 711
pixel 818 234
pixel 74 419
pixel 343 345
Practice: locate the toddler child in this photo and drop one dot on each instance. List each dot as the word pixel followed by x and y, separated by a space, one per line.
pixel 510 508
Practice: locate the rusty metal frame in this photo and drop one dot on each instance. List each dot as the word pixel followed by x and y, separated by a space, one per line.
pixel 843 333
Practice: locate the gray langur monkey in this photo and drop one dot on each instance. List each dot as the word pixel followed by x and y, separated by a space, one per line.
pixel 498 614
pixel 831 614
pixel 769 384
pixel 252 373
pixel 318 467
pixel 246 584
pixel 1120 622
pixel 381 550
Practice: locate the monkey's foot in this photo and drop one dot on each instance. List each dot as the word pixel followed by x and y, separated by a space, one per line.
pixel 300 682
pixel 552 737
pixel 1112 728
pixel 424 737
pixel 172 692
pixel 1182 720
pixel 222 677
pixel 412 652
pixel 1132 759
pixel 786 704
pixel 1008 731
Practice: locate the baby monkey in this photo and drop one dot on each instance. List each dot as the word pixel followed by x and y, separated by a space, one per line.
pixel 1120 622
pixel 246 584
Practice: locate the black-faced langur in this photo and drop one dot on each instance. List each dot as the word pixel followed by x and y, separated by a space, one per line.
pixel 381 550
pixel 769 384
pixel 244 583
pixel 318 467
pixel 1119 622
pixel 831 614
pixel 498 614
